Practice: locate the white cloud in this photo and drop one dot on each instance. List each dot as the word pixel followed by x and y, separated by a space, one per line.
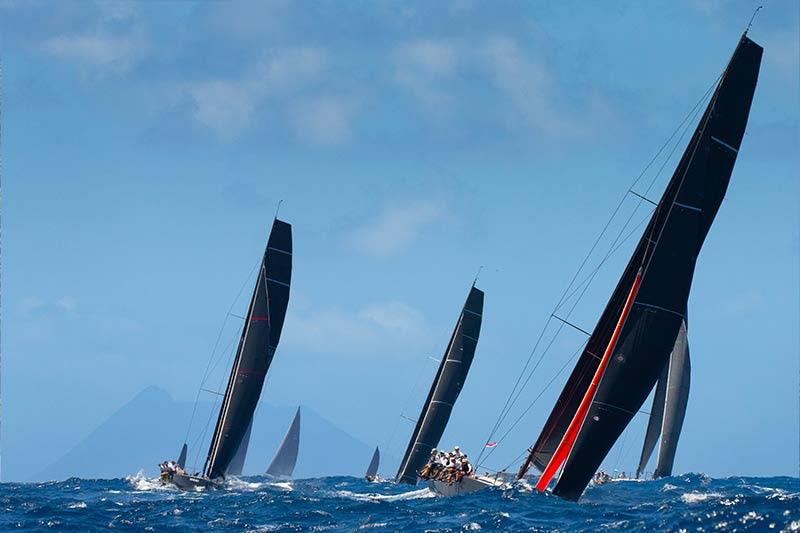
pixel 38 307
pixel 421 65
pixel 322 121
pixel 392 327
pixel 396 229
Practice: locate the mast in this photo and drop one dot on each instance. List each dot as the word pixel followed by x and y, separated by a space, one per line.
pixel 445 389
pixel 285 459
pixel 257 345
pixel 638 345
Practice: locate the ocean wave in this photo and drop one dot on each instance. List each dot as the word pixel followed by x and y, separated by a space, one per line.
pixel 375 497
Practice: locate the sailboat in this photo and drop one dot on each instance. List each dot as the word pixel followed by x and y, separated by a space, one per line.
pixel 285 458
pixel 446 386
pixel 629 347
pixel 669 409
pixel 372 469
pixel 258 342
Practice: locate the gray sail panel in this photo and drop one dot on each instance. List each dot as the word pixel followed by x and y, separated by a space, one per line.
pixel 677 231
pixel 285 459
pixel 237 463
pixel 182 456
pixel 372 469
pixel 257 345
pixel 677 398
pixel 446 386
pixel 654 422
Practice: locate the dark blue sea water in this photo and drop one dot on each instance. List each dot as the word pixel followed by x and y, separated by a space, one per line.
pixel 688 503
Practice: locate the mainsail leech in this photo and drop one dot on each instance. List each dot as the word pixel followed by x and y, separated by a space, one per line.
pixel 260 336
pixel 445 389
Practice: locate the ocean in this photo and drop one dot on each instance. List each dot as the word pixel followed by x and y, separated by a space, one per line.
pixel 687 503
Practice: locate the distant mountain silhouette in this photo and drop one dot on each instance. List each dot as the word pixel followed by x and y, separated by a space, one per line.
pixel 152 426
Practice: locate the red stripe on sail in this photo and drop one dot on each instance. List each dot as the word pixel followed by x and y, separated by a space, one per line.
pixel 565 446
pixel 258 318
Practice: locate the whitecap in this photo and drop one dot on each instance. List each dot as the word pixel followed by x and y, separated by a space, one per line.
pixel 472 526
pixel 373 497
pixel 234 483
pixel 697 497
pixel 77 505
pixel 143 483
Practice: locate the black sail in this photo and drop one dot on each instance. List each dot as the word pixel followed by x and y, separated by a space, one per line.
pixel 236 466
pixel 666 254
pixel 445 388
pixel 182 456
pixel 260 336
pixel 654 422
pixel 285 459
pixel 372 469
pixel 677 397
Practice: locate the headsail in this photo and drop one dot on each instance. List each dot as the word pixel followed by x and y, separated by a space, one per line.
pixel 663 262
pixel 372 469
pixel 445 388
pixel 285 459
pixel 237 464
pixel 182 456
pixel 669 408
pixel 680 370
pixel 260 336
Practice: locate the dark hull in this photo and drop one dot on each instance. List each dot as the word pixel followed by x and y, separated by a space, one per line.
pixel 187 482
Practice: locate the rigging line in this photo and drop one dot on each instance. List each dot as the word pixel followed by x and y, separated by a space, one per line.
pixel 643 197
pixel 277 209
pixel 686 119
pixel 749 24
pixel 567 322
pixel 214 350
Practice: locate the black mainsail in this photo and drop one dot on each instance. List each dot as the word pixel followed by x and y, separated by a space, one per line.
pixel 372 469
pixel 634 336
pixel 260 336
pixel 445 389
pixel 182 456
pixel 285 459
pixel 669 409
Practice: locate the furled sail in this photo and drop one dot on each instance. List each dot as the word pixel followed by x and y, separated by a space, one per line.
pixel 680 370
pixel 669 408
pixel 182 456
pixel 635 334
pixel 445 388
pixel 285 459
pixel 237 463
pixel 260 336
pixel 372 469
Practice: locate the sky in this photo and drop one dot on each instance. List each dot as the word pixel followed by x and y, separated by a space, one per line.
pixel 146 146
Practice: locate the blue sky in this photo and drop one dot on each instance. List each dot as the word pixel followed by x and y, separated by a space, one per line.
pixel 146 145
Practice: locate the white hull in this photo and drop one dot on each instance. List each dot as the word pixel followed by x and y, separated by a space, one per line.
pixel 467 485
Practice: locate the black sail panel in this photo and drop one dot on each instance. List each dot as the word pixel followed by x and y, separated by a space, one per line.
pixel 237 463
pixel 445 389
pixel 372 469
pixel 679 228
pixel 182 456
pixel 257 345
pixel 677 397
pixel 654 422
pixel 285 459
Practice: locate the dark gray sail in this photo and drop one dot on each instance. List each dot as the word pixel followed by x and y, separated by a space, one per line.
pixel 680 370
pixel 672 394
pixel 285 459
pixel 658 278
pixel 237 464
pixel 654 422
pixel 445 388
pixel 260 336
pixel 372 469
pixel 182 456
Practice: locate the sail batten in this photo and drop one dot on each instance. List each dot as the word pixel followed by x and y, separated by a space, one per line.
pixel 259 339
pixel 667 252
pixel 447 384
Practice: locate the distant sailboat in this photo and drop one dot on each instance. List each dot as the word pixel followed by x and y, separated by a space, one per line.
pixel 445 389
pixel 285 459
pixel 259 340
pixel 182 456
pixel 669 409
pixel 237 464
pixel 632 341
pixel 372 469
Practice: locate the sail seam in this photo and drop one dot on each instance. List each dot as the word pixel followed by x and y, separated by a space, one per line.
pixel 660 308
pixel 473 313
pixel 273 280
pixel 470 338
pixel 726 145
pixel 279 250
pixel 690 207
pixel 443 403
